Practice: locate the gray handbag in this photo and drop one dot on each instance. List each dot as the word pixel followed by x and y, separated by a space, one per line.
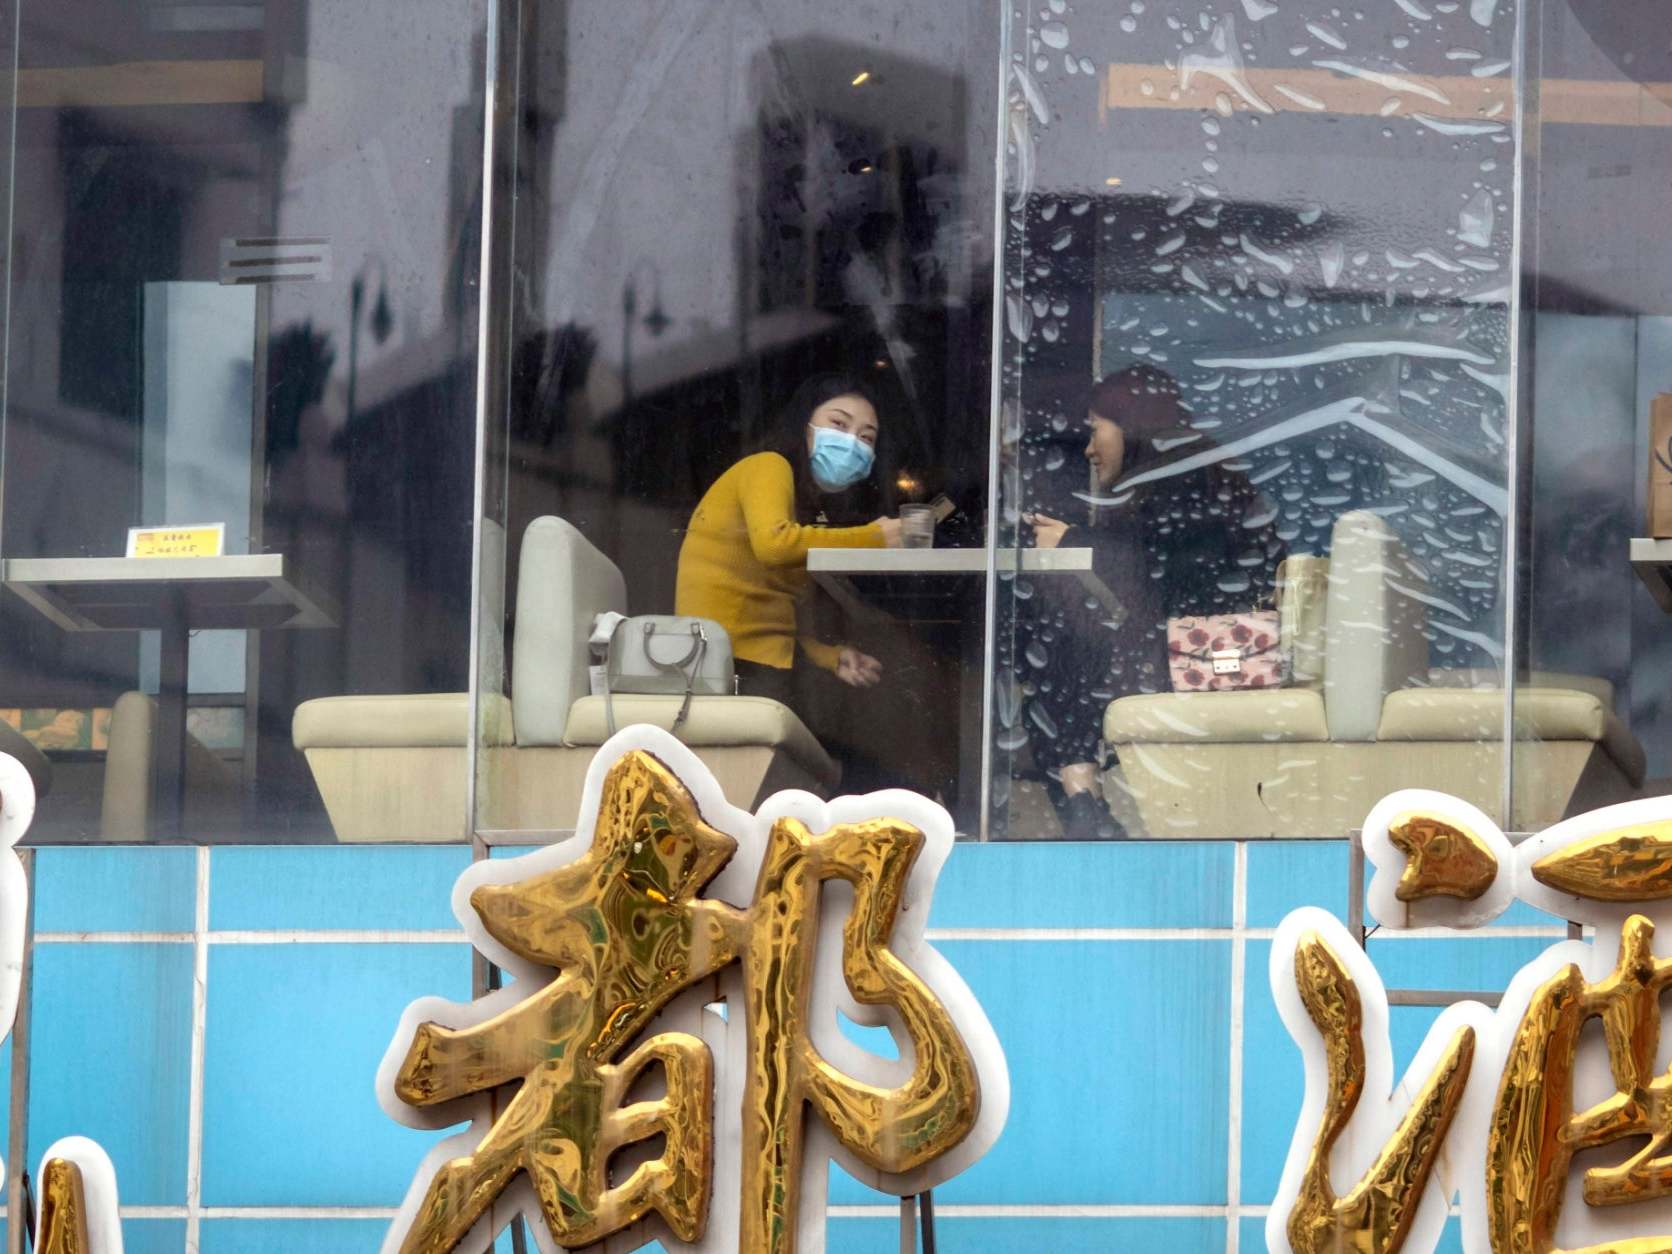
pixel 664 655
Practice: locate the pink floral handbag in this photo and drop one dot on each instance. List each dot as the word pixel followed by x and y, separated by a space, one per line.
pixel 1220 652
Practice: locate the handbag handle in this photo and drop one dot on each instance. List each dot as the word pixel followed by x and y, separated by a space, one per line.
pixel 690 665
pixel 699 641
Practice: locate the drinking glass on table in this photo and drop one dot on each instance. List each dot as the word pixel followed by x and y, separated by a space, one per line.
pixel 917 527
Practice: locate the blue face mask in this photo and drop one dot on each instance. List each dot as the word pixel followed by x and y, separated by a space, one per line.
pixel 839 460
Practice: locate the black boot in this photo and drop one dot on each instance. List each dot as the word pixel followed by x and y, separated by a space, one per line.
pixel 1084 816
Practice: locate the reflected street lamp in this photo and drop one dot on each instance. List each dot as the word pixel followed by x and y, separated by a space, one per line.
pixel 656 321
pixel 382 321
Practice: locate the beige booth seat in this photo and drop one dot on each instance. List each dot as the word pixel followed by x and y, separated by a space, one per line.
pixel 1311 761
pixel 396 767
pixel 213 794
pixel 213 799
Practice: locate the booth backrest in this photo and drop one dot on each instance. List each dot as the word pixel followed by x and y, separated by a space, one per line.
pixel 563 583
pixel 1376 642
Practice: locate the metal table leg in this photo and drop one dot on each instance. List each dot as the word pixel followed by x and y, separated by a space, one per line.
pixel 908 1225
pixel 168 771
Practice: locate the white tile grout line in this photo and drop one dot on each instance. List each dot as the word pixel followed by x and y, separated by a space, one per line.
pixel 1070 1210
pixel 364 936
pixel 1067 1211
pixel 1233 1103
pixel 201 938
pixel 200 1007
pixel 396 936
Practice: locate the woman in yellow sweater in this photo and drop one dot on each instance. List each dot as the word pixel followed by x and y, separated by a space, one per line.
pixel 744 560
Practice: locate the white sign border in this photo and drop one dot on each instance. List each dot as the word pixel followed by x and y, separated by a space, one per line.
pixel 1460 1171
pixel 735 885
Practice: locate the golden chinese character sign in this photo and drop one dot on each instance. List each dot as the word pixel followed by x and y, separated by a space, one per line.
pixel 667 1062
pixel 76 1202
pixel 1548 1119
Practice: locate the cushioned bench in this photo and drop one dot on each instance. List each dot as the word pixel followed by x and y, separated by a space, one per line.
pixel 397 767
pixel 1311 761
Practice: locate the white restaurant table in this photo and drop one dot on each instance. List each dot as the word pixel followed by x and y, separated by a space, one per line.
pixel 173 596
pixel 1652 560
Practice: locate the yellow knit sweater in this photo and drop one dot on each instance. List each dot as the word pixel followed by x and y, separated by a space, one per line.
pixel 744 561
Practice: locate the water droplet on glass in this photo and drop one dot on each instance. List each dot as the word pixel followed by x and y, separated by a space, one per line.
pixel 1331 260
pixel 1476 221
pixel 1457 126
pixel 1054 35
pixel 1043 720
pixel 1006 701
pixel 1325 35
pixel 1018 317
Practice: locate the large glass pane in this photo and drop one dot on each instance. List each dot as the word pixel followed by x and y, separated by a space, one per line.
pixel 1258 295
pixel 731 224
pixel 242 291
pixel 1592 718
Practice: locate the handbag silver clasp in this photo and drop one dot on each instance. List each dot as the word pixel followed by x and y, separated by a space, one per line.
pixel 1227 662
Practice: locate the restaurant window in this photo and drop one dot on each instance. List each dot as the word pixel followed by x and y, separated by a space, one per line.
pixel 240 400
pixel 1258 334
pixel 1113 422
pixel 748 311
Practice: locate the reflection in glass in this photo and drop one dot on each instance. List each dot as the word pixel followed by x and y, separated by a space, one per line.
pixel 1264 363
pixel 701 277
pixel 1310 251
pixel 242 294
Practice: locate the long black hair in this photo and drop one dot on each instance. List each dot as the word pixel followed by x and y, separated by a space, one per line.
pixel 870 497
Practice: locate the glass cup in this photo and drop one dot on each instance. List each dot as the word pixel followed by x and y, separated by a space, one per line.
pixel 917 527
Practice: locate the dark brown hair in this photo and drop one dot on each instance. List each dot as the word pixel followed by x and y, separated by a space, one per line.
pixel 1143 401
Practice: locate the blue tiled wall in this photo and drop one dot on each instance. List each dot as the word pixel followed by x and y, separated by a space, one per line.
pixel 1112 973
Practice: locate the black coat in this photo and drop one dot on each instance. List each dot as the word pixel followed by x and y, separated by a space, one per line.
pixel 1198 543
pixel 1203 542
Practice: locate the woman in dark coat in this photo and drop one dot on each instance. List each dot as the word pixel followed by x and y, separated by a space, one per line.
pixel 1173 533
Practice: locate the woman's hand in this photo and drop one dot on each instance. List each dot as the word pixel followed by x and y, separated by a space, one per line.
pixel 858 670
pixel 890 528
pixel 1047 532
